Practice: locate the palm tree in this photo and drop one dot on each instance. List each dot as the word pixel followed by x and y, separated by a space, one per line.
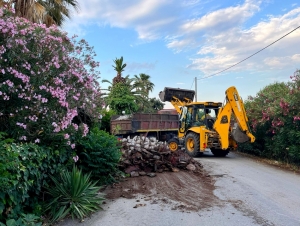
pixel 119 68
pixel 58 10
pixel 139 96
pixel 143 83
pixel 48 12
pixel 156 104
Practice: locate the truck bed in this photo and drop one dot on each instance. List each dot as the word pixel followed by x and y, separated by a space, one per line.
pixel 141 122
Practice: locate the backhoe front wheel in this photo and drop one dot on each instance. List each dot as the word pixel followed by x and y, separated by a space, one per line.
pixel 192 144
pixel 173 144
pixel 219 152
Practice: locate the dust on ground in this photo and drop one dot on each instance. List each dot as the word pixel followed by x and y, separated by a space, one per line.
pixel 182 190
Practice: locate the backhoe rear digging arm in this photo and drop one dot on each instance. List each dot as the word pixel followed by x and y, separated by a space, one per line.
pixel 234 105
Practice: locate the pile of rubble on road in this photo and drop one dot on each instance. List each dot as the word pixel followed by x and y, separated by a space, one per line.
pixel 146 156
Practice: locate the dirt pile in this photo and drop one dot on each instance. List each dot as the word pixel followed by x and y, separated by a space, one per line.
pixel 181 190
pixel 146 156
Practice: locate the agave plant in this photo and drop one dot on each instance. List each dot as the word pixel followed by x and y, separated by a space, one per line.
pixel 73 194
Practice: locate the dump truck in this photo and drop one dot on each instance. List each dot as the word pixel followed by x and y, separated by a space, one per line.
pixel 214 125
pixel 163 126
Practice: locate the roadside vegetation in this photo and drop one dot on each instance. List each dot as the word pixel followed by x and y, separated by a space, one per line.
pixel 274 115
pixel 55 149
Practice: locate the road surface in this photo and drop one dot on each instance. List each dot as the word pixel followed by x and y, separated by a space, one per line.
pixel 242 191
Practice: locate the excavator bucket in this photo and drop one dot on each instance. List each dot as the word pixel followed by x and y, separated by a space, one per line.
pixel 238 135
pixel 181 94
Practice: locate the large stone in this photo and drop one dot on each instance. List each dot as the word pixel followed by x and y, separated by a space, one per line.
pixel 134 174
pixel 156 157
pixel 129 169
pixel 174 169
pixel 191 167
pixel 142 173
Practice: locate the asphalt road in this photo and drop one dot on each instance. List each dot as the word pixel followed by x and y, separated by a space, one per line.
pixel 247 192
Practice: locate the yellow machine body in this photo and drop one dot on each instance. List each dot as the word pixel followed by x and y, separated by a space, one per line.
pixel 210 124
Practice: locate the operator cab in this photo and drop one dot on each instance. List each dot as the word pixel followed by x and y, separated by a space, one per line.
pixel 199 114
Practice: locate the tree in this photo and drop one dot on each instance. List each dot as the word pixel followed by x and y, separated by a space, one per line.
pixel 119 68
pixel 48 12
pixel 123 96
pixel 120 99
pixel 142 82
pixel 156 104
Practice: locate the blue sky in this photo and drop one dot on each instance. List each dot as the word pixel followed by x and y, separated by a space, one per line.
pixel 175 41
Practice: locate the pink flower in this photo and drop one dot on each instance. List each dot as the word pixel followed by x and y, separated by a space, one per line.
pixel 72 146
pixel 23 138
pixel 76 158
pixel 75 126
pixel 66 136
pixel 85 129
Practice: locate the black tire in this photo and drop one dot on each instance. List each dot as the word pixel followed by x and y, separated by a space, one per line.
pixel 192 144
pixel 173 144
pixel 219 152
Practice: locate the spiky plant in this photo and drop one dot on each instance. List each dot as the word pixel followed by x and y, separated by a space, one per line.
pixel 73 194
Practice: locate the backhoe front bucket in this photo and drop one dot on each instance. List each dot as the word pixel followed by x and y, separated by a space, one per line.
pixel 181 94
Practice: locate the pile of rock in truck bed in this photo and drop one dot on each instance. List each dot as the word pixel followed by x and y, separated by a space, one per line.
pixel 146 156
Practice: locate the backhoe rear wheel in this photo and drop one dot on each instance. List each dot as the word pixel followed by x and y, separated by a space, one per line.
pixel 173 144
pixel 219 152
pixel 192 144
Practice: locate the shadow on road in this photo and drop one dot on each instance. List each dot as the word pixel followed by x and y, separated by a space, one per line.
pixel 208 154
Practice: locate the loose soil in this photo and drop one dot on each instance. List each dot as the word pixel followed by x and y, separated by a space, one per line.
pixel 182 190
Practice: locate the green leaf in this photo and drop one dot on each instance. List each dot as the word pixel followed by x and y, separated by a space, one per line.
pixel 11 222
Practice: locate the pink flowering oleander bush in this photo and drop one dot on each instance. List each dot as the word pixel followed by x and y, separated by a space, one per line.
pixel 47 83
pixel 274 115
pixel 45 77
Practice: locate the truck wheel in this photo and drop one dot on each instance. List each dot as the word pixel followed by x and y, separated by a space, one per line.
pixel 219 152
pixel 173 144
pixel 192 144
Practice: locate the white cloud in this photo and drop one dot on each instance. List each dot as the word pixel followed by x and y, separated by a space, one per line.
pixel 144 16
pixel 228 48
pixel 179 45
pixel 218 38
pixel 222 19
pixel 280 62
pixel 149 31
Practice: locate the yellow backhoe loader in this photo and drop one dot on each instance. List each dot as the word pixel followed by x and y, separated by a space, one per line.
pixel 208 124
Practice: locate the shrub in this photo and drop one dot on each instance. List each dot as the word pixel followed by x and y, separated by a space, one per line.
pixel 105 121
pixel 45 79
pixel 274 114
pixel 24 220
pixel 73 193
pixel 99 153
pixel 24 170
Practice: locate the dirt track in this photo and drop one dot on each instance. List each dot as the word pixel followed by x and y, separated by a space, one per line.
pixel 182 190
